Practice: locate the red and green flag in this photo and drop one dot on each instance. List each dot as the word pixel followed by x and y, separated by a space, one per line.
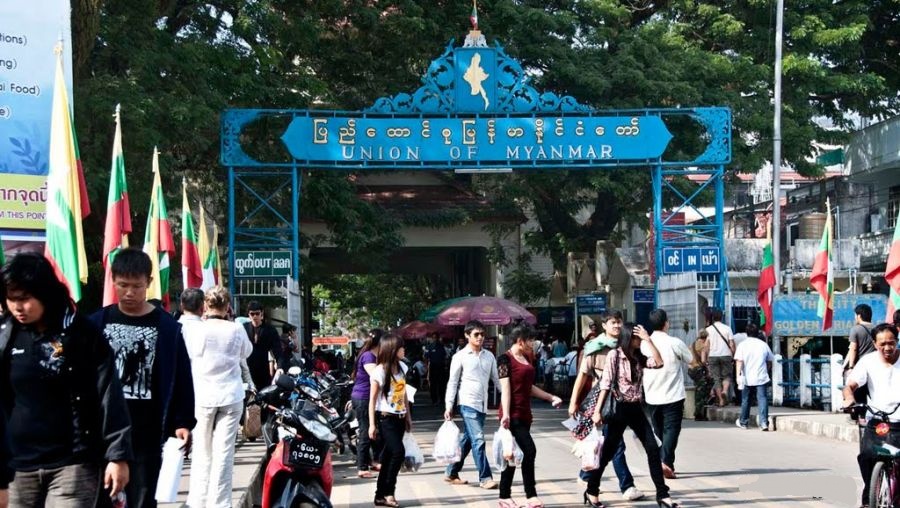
pixel 67 202
pixel 191 268
pixel 764 291
pixel 217 262
pixel 158 242
pixel 207 255
pixel 474 16
pixel 118 214
pixel 822 278
pixel 892 274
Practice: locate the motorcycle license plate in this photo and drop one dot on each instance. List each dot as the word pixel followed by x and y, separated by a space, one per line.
pixel 310 453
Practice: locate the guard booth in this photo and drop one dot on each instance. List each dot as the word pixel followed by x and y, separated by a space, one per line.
pixel 476 111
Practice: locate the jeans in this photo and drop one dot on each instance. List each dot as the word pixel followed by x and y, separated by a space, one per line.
pixel 363 443
pixel 212 461
pixel 472 439
pixel 629 415
pixel 761 400
pixel 521 433
pixel 391 429
pixel 72 486
pixel 666 421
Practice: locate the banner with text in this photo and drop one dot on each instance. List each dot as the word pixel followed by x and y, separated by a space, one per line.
pixel 29 31
pixel 795 315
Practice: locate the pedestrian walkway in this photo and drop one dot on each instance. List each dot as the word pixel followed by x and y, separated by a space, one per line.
pixel 248 467
pixel 808 422
pixel 717 466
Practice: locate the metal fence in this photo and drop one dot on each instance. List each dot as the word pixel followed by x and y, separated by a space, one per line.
pixel 808 382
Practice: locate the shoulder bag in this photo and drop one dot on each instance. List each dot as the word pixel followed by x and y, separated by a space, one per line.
pixel 611 403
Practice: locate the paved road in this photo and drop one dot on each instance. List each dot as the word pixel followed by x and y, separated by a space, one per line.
pixel 718 465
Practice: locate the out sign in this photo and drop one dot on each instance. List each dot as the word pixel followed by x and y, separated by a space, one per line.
pixel 692 259
pixel 262 264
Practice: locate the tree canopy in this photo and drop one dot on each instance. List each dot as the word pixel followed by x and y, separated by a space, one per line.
pixel 174 65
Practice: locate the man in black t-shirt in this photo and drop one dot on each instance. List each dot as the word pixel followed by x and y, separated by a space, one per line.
pixel 861 342
pixel 154 368
pixel 266 342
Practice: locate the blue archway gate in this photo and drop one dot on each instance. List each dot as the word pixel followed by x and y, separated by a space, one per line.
pixel 477 111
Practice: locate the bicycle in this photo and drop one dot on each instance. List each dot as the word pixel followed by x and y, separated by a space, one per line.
pixel 884 484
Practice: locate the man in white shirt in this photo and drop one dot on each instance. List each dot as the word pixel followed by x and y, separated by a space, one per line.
pixel 880 372
pixel 471 368
pixel 664 387
pixel 751 360
pixel 721 351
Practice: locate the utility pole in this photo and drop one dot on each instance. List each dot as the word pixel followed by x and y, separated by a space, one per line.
pixel 776 149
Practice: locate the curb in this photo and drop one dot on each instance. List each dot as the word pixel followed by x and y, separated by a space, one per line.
pixel 795 423
pixel 252 496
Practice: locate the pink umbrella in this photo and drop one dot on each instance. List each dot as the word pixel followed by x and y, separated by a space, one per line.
pixel 420 329
pixel 490 310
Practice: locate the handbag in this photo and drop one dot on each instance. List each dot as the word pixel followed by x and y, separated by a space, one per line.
pixel 611 403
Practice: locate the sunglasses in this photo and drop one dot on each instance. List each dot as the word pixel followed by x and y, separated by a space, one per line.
pixel 256 313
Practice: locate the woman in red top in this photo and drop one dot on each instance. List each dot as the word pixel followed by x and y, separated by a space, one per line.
pixel 516 373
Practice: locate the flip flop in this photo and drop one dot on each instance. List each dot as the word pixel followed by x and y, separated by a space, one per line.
pixel 455 481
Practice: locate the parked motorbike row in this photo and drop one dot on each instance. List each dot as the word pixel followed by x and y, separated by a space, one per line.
pixel 303 428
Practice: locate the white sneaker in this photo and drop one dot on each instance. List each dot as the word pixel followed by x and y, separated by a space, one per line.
pixel 739 424
pixel 632 494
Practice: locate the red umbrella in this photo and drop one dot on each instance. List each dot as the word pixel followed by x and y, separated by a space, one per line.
pixel 490 310
pixel 420 329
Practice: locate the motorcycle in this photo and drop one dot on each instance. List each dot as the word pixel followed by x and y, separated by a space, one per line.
pixel 299 471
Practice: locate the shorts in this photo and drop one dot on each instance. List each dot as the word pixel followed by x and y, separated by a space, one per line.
pixel 720 368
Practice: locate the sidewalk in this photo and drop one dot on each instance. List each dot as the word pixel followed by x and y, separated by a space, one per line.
pixel 248 468
pixel 796 421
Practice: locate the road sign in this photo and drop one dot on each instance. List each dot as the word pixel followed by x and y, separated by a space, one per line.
pixel 691 259
pixel 591 304
pixel 262 263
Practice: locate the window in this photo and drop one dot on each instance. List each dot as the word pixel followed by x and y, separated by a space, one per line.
pixel 893 206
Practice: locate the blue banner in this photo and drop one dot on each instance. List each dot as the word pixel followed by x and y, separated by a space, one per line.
pixel 691 259
pixel 795 315
pixel 29 31
pixel 590 304
pixel 322 138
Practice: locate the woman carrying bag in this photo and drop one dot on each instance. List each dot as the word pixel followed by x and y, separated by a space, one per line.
pixel 517 386
pixel 389 415
pixel 620 406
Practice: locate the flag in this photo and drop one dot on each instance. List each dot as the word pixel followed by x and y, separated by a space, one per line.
pixel 118 214
pixel 158 243
pixel 191 269
pixel 217 262
pixel 207 255
pixel 474 16
pixel 822 278
pixel 892 273
pixel 67 202
pixel 764 291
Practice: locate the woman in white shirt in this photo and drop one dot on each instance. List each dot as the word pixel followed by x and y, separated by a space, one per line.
pixel 389 408
pixel 216 348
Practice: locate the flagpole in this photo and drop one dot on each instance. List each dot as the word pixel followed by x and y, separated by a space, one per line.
pixel 776 147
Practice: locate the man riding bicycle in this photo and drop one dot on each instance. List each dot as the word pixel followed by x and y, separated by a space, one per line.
pixel 879 371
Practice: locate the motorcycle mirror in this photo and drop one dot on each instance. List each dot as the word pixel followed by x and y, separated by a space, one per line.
pixel 294 371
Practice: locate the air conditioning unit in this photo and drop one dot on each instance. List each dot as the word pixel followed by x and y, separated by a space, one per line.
pixel 876 223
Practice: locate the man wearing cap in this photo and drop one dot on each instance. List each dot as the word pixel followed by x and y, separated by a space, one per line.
pixel 592 362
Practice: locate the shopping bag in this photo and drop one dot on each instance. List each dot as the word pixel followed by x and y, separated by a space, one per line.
pixel 446 444
pixel 502 440
pixel 590 448
pixel 413 458
pixel 252 428
pixel 507 442
pixel 170 471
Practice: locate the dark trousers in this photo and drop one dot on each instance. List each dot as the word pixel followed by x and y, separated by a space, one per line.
pixel 363 443
pixel 521 431
pixel 437 385
pixel 666 421
pixel 630 415
pixel 72 486
pixel 391 429
pixel 144 472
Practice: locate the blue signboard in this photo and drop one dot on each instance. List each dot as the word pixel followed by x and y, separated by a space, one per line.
pixel 795 315
pixel 429 142
pixel 591 304
pixel 691 259
pixel 643 296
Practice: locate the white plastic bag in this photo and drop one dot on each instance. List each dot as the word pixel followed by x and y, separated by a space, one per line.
pixel 413 458
pixel 503 440
pixel 591 447
pixel 170 471
pixel 446 444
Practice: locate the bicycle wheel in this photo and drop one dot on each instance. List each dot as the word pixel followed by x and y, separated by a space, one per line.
pixel 880 486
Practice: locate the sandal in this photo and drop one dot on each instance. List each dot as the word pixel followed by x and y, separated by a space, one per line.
pixel 385 502
pixel 507 503
pixel 365 474
pixel 534 503
pixel 455 480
